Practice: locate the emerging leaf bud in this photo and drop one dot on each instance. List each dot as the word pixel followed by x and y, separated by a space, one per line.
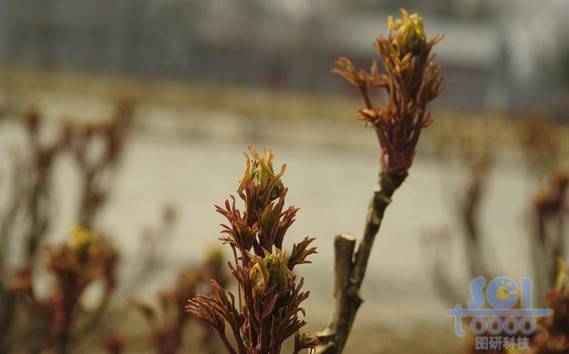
pixel 83 242
pixel 259 275
pixel 408 33
pixel 277 265
pixel 259 171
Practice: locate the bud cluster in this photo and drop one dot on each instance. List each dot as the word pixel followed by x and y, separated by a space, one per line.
pixel 268 308
pixel 410 80
pixel 76 264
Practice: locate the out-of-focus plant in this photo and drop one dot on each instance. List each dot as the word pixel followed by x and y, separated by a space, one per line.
pixel 548 243
pixel 267 310
pixel 547 237
pixel 540 144
pixel 552 335
pixel 96 148
pixel 28 210
pixel 114 345
pixel 150 260
pixel 168 323
pixel 167 329
pixel 470 204
pixel 411 80
pixel 74 265
pixel 151 249
pixel 39 184
pixel 31 189
pixel 26 213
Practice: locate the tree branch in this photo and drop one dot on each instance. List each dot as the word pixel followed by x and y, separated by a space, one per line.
pixel 350 270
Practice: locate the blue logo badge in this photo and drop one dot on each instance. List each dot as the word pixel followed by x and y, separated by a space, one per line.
pixel 500 313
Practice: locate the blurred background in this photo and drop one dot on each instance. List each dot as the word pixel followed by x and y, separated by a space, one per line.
pixel 206 78
pixel 506 55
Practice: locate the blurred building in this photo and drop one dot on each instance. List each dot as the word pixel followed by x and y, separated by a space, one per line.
pixel 288 44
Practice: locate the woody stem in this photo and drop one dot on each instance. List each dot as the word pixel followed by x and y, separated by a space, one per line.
pixel 350 268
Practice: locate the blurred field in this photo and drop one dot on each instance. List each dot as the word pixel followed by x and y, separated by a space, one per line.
pixel 253 106
pixel 187 149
